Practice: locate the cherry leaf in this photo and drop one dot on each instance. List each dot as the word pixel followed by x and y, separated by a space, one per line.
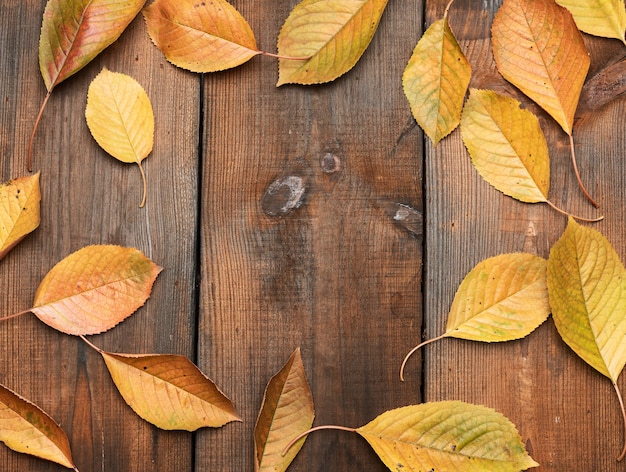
pixel 435 81
pixel 200 36
pixel 94 289
pixel 447 435
pixel 74 32
pixel 332 34
pixel 538 48
pixel 606 18
pixel 287 411
pixel 507 146
pixel 169 391
pixel 120 117
pixel 19 210
pixel 25 428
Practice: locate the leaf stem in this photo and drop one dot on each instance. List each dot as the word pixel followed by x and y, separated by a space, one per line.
pixel 579 218
pixel 445 12
pixel 15 315
pixel 32 135
pixel 580 182
pixel 90 344
pixel 145 187
pixel 621 405
pixel 289 58
pixel 412 351
pixel 317 428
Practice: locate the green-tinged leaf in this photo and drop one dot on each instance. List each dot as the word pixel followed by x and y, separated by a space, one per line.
pixel 538 48
pixel 206 36
pixel 332 34
pixel 75 31
pixel 286 412
pixel 25 428
pixel 606 18
pixel 120 117
pixel 94 289
pixel 435 81
pixel 19 210
pixel 506 145
pixel 587 291
pixel 447 436
pixel 169 391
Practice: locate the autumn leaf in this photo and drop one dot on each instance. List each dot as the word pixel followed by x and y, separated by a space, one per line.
pixel 606 18
pixel 502 298
pixel 94 289
pixel 25 428
pixel 287 411
pixel 206 36
pixel 538 48
pixel 120 118
pixel 19 210
pixel 587 289
pixel 169 391
pixel 332 34
pixel 435 81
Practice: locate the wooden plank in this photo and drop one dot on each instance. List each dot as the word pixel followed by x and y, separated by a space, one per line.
pixel 567 413
pixel 90 198
pixel 336 276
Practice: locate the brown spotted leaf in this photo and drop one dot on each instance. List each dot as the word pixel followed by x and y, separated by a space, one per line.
pixel 19 210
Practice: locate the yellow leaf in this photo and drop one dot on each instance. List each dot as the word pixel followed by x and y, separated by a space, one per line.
pixel 25 428
pixel 606 18
pixel 206 36
pixel 538 48
pixel 94 289
pixel 120 118
pixel 502 298
pixel 19 210
pixel 435 81
pixel 333 34
pixel 587 290
pixel 506 145
pixel 286 412
pixel 169 391
pixel 447 435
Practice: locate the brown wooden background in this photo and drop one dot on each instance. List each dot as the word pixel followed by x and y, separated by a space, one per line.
pixel 366 266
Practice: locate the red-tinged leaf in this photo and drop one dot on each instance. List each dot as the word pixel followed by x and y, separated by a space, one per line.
pixel 286 412
pixel 75 31
pixel 25 428
pixel 206 36
pixel 169 391
pixel 19 210
pixel 538 48
pixel 94 289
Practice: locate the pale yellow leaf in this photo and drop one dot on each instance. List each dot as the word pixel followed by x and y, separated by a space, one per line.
pixel 332 34
pixel 435 81
pixel 447 436
pixel 506 145
pixel 606 18
pixel 169 391
pixel 19 210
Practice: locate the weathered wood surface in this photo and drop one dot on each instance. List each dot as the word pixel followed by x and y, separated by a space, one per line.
pixel 342 275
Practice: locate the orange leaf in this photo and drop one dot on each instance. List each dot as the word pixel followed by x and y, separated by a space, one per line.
pixel 25 428
pixel 204 36
pixel 19 210
pixel 169 391
pixel 286 412
pixel 74 32
pixel 94 289
pixel 538 48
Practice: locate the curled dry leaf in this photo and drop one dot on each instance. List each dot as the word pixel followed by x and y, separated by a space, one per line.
pixel 435 81
pixel 94 289
pixel 606 18
pixel 169 391
pixel 204 36
pixel 332 34
pixel 447 435
pixel 19 210
pixel 286 412
pixel 120 118
pixel 25 428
